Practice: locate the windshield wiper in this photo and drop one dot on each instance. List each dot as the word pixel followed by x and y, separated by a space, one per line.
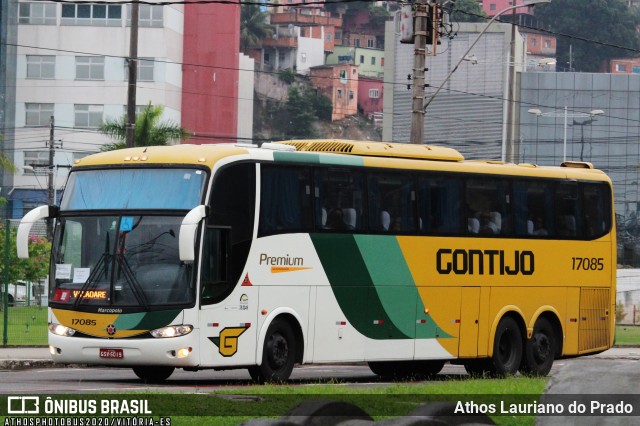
pixel 101 269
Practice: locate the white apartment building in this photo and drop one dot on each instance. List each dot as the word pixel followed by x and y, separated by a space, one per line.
pixel 72 64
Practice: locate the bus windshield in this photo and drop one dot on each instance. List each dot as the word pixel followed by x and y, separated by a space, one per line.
pixel 133 189
pixel 122 261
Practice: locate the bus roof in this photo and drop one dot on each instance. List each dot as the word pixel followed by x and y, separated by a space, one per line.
pixel 206 155
pixel 336 151
pixel 376 149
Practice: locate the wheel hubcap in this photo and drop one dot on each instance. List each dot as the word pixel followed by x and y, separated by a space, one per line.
pixel 279 351
pixel 542 348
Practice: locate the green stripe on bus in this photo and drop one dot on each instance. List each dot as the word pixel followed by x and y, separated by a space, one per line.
pixel 353 287
pixel 391 278
pixel 313 158
pixel 395 286
pixel 147 320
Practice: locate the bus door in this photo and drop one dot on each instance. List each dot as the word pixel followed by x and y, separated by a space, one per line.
pixel 228 313
pixel 228 300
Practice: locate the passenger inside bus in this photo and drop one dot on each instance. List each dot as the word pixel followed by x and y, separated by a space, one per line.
pixel 335 219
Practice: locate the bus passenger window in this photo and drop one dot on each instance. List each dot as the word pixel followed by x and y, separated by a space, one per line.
pixel 487 202
pixel 566 210
pixel 439 206
pixel 597 209
pixel 339 193
pixel 285 202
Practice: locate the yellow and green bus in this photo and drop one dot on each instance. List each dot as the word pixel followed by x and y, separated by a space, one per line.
pixel 327 251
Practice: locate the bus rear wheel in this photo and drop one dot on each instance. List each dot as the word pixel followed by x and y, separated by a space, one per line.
pixel 278 354
pixel 153 374
pixel 478 367
pixel 406 369
pixel 507 348
pixel 539 351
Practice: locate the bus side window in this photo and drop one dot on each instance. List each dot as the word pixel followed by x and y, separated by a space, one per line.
pixel 487 204
pixel 339 193
pixel 439 206
pixel 391 205
pixel 567 220
pixel 285 201
pixel 596 208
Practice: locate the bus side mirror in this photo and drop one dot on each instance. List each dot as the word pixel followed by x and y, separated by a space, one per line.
pixel 24 229
pixel 188 230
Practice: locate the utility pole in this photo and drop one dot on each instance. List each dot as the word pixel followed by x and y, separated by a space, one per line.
pixel 133 71
pixel 509 155
pixel 50 183
pixel 420 45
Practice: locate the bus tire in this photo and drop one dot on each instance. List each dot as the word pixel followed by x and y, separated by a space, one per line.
pixel 539 351
pixel 278 354
pixel 429 368
pixel 507 348
pixel 478 367
pixel 406 369
pixel 153 374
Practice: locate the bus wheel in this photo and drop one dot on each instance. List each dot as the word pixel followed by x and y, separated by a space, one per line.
pixel 385 368
pixel 278 355
pixel 406 369
pixel 153 374
pixel 428 368
pixel 539 351
pixel 507 348
pixel 478 367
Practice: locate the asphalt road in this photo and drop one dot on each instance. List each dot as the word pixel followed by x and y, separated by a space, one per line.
pixel 599 383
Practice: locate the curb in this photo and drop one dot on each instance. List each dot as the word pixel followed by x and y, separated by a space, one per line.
pixel 24 364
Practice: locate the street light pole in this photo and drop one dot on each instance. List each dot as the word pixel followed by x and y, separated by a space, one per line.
pixel 564 137
pixel 537 112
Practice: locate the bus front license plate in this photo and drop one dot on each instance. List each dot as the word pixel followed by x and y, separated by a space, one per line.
pixel 111 353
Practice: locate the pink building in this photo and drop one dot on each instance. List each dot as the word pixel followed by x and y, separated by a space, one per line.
pixel 210 88
pixel 340 84
pixel 370 94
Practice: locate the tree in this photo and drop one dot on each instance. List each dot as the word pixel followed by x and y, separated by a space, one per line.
pixel 35 268
pixel 253 27
pixel 593 28
pixel 149 131
pixel 322 106
pixel 300 114
pixel 468 11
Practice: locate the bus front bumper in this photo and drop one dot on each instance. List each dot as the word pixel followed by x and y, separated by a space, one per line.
pixel 175 351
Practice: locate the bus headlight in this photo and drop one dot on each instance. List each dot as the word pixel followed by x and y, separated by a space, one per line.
pixel 171 331
pixel 61 330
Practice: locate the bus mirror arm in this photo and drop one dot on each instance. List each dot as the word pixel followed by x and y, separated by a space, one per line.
pixel 24 229
pixel 188 230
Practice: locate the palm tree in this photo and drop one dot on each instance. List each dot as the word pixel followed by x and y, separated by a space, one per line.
pixel 148 130
pixel 253 26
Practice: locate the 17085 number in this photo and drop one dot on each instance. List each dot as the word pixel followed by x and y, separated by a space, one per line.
pixel 588 263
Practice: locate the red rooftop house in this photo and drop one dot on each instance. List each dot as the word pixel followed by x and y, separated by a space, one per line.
pixel 340 84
